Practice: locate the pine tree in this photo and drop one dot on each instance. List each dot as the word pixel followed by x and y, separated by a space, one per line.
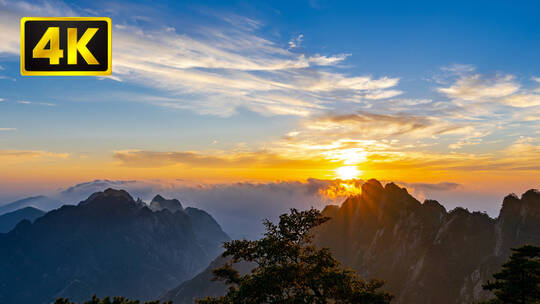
pixel 290 269
pixel 519 280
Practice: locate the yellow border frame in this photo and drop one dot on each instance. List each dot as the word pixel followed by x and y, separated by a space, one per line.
pixel 24 72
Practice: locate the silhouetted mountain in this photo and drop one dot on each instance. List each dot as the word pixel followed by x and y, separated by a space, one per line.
pixel 40 202
pixel 424 253
pixel 158 203
pixel 10 219
pixel 108 244
pixel 207 230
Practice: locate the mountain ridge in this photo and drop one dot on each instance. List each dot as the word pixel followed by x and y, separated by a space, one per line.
pixel 425 253
pixel 9 220
pixel 108 244
pixel 41 202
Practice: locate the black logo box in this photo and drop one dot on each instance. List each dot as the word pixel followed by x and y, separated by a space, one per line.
pixel 32 29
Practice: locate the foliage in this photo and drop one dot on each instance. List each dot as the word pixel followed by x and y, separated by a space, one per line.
pixel 519 280
pixel 107 300
pixel 290 269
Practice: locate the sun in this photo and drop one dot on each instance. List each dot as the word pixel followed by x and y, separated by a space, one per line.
pixel 347 172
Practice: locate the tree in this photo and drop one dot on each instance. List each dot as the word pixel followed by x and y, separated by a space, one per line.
pixel 107 300
pixel 290 269
pixel 519 280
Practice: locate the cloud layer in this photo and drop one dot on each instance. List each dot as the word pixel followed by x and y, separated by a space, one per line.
pixel 241 207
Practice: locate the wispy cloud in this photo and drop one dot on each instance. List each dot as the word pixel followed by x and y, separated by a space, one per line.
pixel 21 156
pixel 217 69
pixel 8 129
pixel 26 102
pixel 224 69
pixel 215 159
pixel 296 42
pixel 459 68
pixel 503 89
pixel 477 88
pixel 366 125
pixel 12 11
pixel 522 100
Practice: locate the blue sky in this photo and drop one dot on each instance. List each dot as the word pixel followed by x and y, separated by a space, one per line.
pixel 386 86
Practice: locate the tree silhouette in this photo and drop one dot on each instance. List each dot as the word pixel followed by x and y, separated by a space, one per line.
pixel 519 280
pixel 107 300
pixel 290 269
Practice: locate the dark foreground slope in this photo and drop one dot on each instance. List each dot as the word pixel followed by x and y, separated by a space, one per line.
pixel 108 244
pixel 424 253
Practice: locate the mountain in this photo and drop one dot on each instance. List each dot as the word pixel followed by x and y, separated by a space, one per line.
pixel 40 202
pixel 158 203
pixel 108 244
pixel 425 253
pixel 202 284
pixel 10 219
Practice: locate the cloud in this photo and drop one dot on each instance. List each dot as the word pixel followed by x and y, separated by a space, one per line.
pixel 462 143
pixel 221 159
pixel 230 68
pixel 48 104
pixel 422 191
pixel 22 156
pixel 500 89
pixel 477 88
pixel 443 186
pixel 217 69
pixel 8 129
pixel 373 142
pixel 12 11
pixel 458 68
pixel 296 42
pixel 372 126
pixel 240 207
pixel 522 100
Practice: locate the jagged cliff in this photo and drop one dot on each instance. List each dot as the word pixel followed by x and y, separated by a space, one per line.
pixel 426 254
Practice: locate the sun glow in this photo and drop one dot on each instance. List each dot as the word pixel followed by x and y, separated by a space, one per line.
pixel 348 172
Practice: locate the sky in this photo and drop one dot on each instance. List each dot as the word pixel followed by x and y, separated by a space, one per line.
pixel 417 92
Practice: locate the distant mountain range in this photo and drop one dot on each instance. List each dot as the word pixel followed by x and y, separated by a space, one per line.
pixel 108 244
pixel 10 219
pixel 424 253
pixel 39 202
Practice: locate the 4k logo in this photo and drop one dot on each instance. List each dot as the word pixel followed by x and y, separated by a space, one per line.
pixel 66 46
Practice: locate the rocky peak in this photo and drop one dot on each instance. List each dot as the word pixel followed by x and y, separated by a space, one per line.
pixel 372 189
pixel 109 196
pixel 111 203
pixel 159 203
pixel 514 208
pixel 531 200
pixel 435 205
